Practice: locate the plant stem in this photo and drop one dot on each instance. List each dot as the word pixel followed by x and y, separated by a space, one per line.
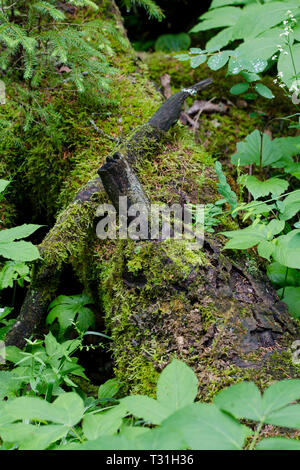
pixel 256 435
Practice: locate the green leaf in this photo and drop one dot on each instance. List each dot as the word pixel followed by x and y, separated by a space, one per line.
pixel 288 417
pixel 12 271
pixel 9 384
pixel 256 19
pixel 226 16
pixel 67 409
pixel 290 206
pixel 104 424
pixel 30 437
pixel 265 249
pixel 292 299
pixel 197 60
pixel 249 151
pixel 287 249
pixel 264 91
pixel 278 443
pixel 280 394
pixel 3 185
pixel 173 42
pixel 239 88
pixel 280 276
pixel 242 400
pixel 109 389
pixel 15 233
pixel 217 61
pixel 252 235
pixel 286 64
pixel 67 309
pixel 205 427
pixel 19 251
pixel 177 386
pixel 146 408
pixel 223 187
pixel 257 188
pixel 250 77
pixel 220 40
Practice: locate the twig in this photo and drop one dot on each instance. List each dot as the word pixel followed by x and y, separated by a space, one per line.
pixel 100 131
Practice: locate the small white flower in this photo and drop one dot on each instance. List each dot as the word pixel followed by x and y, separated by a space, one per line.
pixel 280 74
pixel 285 53
pixel 275 80
pixel 2 310
pixel 274 57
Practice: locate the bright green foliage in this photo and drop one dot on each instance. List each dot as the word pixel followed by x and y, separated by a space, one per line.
pixel 14 271
pixel 291 296
pixel 70 309
pixel 224 188
pixel 45 366
pixel 17 250
pixel 172 421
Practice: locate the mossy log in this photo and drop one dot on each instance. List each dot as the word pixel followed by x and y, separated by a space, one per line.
pixel 161 299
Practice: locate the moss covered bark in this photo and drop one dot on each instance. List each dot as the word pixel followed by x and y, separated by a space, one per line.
pixel 159 299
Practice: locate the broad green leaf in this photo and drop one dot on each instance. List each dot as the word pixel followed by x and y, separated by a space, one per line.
pixel 287 249
pixel 118 442
pixel 280 394
pixel 242 400
pixel 160 439
pixel 3 185
pixel 31 408
pixel 30 437
pixel 285 64
pixel 104 424
pixel 9 384
pixel 11 271
pixel 223 187
pixel 278 275
pixel 265 249
pixel 292 299
pixel 109 389
pixel 290 206
pixel 70 408
pixel 226 16
pixel 249 151
pixel 252 235
pixel 250 77
pixel 239 88
pixel 262 47
pixel 257 188
pixel 217 61
pixel 146 408
pixel 197 60
pixel 288 417
pixel 205 427
pixel 220 40
pixel 67 409
pixel 278 443
pixel 239 62
pixel 15 233
pixel 255 19
pixel 177 386
pixel 19 251
pixel 67 309
pixel 264 91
